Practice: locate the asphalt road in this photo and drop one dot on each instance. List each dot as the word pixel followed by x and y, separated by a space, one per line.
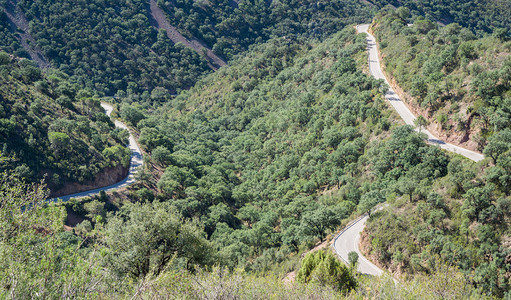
pixel 135 162
pixel 401 108
pixel 348 239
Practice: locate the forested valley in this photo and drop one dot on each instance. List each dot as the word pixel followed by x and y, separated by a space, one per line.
pixel 53 130
pixel 249 169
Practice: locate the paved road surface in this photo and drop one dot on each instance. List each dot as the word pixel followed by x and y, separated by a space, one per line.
pixel 348 239
pixel 400 107
pixel 136 161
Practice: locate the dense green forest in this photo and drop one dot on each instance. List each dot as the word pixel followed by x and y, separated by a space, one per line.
pixel 461 82
pixel 9 43
pixel 463 220
pixel 253 150
pixel 272 158
pixel 40 260
pixel 50 126
pixel 229 27
pixel 263 159
pixel 111 47
pixel 249 167
pixel 478 15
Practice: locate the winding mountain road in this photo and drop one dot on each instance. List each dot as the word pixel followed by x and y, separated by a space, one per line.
pixel 348 239
pixel 135 162
pixel 401 108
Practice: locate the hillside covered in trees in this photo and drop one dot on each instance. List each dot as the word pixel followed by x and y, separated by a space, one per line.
pixel 230 27
pixel 111 46
pixel 461 83
pixel 253 150
pixel 9 42
pixel 267 185
pixel 478 16
pixel 249 167
pixel 62 266
pixel 263 159
pixel 50 126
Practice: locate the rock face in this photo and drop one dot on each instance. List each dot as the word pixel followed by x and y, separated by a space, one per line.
pixel 106 177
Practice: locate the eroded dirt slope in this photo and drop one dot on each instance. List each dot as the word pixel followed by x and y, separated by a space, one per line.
pixel 161 22
pixel 19 22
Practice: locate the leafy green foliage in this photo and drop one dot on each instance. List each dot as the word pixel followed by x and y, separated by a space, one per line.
pixel 61 264
pixel 143 239
pixel 461 221
pixel 324 268
pixel 110 46
pixel 9 42
pixel 492 15
pixel 230 28
pixel 463 83
pixel 69 142
pixel 38 258
pixel 353 259
pixel 249 148
pixel 273 156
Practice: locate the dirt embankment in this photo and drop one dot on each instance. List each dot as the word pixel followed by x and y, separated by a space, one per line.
pixel 19 22
pixel 453 136
pixel 159 20
pixel 107 177
pixel 364 246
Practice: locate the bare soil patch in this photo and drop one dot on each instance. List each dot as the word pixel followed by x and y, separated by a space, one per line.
pixel 160 21
pixel 20 23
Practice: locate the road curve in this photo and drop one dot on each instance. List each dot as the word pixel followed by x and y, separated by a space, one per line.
pixel 401 108
pixel 135 162
pixel 348 239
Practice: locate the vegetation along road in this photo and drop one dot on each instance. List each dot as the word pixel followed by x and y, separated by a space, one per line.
pixel 135 162
pixel 348 239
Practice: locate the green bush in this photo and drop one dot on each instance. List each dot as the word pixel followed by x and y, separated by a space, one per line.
pixel 323 268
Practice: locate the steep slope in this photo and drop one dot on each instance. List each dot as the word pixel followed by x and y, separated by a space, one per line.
pixel 459 83
pixel 161 22
pixel 50 126
pixel 479 16
pixel 109 45
pixel 274 151
pixel 113 47
pixel 401 108
pixel 136 162
pixel 462 218
pixel 20 23
pixel 229 27
pixel 9 42
pixel 37 235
